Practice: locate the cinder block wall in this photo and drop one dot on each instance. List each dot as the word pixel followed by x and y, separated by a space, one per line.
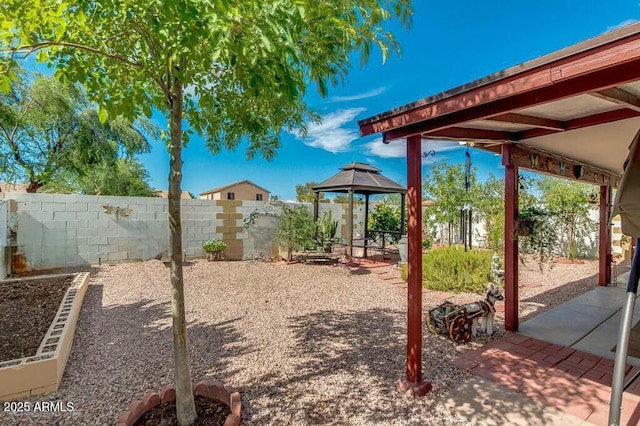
pixel 5 260
pixel 68 230
pixel 58 230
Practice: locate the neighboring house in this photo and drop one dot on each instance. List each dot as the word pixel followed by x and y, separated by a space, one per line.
pixel 165 194
pixel 244 190
pixel 13 187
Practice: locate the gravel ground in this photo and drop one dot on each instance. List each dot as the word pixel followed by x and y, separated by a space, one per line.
pixel 303 344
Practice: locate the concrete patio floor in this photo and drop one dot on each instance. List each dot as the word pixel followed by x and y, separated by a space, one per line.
pixel 562 359
pixel 588 323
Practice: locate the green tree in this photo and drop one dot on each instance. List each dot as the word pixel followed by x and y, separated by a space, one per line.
pixel 444 185
pixel 489 206
pixel 305 194
pixel 244 67
pixel 568 202
pixel 127 178
pixel 385 217
pixel 296 230
pixel 48 128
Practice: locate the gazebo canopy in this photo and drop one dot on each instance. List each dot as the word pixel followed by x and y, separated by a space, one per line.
pixel 360 178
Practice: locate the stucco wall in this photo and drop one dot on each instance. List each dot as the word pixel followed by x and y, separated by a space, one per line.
pixel 243 192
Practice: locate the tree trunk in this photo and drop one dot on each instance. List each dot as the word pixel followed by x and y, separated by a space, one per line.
pixel 571 238
pixel 185 405
pixel 34 186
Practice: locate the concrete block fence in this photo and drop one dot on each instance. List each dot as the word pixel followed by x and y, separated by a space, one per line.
pixel 70 230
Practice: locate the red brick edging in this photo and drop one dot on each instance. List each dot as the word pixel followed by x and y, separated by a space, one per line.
pixel 212 390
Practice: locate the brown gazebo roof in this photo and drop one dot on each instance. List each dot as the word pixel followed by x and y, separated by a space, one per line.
pixel 362 179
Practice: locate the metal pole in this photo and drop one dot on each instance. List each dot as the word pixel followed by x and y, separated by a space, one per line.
pixel 622 348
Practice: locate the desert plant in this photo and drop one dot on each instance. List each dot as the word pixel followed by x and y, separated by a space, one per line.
pixel 297 229
pixel 214 245
pixel 453 269
pixel 536 232
pixel 427 242
pixel 327 228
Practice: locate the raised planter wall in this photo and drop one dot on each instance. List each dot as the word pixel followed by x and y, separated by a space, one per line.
pixel 42 373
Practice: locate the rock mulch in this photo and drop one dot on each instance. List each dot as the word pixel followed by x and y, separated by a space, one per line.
pixel 303 344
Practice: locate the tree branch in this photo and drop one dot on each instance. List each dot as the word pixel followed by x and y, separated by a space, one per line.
pixel 37 46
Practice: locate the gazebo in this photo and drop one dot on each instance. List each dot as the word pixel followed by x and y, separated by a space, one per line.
pixel 359 178
pixel 571 114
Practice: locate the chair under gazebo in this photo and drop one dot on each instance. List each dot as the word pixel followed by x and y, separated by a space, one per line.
pixel 363 179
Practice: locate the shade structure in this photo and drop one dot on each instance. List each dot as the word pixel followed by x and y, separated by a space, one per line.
pixel 359 178
pixel 627 205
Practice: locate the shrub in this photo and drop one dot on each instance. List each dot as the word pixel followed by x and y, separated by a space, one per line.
pixel 213 246
pixel 386 217
pixel 453 269
pixel 297 229
pixel 426 243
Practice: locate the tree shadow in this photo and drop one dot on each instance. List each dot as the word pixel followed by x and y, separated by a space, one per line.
pixel 120 352
pixel 352 348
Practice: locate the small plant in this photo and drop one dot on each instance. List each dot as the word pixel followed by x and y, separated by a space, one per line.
pixel 214 249
pixel 213 246
pixel 453 269
pixel 427 243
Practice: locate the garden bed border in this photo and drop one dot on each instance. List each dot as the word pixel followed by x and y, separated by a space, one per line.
pixel 42 373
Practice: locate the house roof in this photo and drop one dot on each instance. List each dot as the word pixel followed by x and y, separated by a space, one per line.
pixel 163 193
pixel 229 185
pixel 13 187
pixel 577 107
pixel 362 179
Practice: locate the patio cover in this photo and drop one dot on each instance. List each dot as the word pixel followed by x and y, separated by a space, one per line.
pixel 570 114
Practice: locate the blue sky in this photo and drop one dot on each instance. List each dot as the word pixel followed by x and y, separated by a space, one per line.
pixel 449 44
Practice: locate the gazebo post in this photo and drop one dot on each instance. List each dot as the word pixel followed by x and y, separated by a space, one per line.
pixel 402 212
pixel 510 243
pixel 350 222
pixel 604 240
pixel 366 222
pixel 316 201
pixel 413 381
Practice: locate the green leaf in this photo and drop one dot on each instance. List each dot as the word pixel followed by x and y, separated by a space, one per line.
pixel 103 115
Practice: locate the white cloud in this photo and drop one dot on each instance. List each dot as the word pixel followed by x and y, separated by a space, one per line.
pixel 330 134
pixel 397 149
pixel 621 24
pixel 365 95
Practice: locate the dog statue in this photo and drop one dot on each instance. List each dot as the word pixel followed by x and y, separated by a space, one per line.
pixel 483 312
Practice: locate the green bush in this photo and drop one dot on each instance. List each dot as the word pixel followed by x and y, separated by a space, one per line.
pixel 213 246
pixel 297 229
pixel 426 243
pixel 453 269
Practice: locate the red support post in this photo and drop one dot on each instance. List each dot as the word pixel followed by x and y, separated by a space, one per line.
pixel 604 241
pixel 510 243
pixel 413 381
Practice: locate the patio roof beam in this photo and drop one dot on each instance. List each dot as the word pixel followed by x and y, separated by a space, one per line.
pixel 619 96
pixel 525 157
pixel 503 97
pixel 529 120
pixel 579 123
pixel 469 134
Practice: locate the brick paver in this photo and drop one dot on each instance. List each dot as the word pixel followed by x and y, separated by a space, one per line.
pixel 572 381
